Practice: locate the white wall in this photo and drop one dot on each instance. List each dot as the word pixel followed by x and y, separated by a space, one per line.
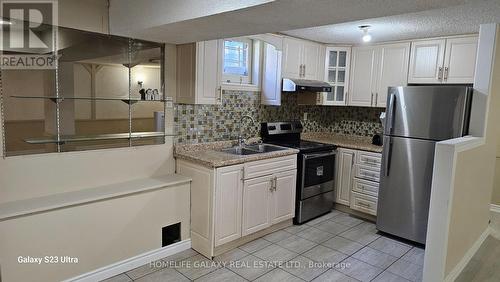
pixel 98 234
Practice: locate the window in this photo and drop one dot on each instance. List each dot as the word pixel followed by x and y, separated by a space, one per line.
pixel 237 61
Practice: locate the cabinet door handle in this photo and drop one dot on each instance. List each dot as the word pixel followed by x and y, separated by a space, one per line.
pixel 242 173
pixel 371 100
pixel 220 94
pixel 446 73
pixel 275 182
pixel 376 99
pixel 304 70
pixel 440 73
pixel 271 189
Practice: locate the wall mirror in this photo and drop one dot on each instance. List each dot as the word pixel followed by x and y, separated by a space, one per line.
pixel 106 92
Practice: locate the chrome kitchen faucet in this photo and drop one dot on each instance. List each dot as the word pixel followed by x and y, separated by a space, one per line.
pixel 241 141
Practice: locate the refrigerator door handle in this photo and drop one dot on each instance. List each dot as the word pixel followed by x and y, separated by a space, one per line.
pixel 388 154
pixel 392 108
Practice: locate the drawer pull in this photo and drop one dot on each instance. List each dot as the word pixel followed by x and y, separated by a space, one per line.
pixel 372 175
pixel 364 205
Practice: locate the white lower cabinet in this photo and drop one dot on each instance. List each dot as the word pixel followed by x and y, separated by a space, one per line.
pixel 256 202
pixel 345 162
pixel 268 200
pixel 228 195
pixel 283 197
pixel 230 202
pixel 364 203
pixel 358 175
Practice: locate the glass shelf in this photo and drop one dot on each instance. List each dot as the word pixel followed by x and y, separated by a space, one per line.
pixel 79 138
pixel 123 99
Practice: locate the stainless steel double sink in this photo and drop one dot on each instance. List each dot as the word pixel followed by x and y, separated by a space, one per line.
pixel 253 149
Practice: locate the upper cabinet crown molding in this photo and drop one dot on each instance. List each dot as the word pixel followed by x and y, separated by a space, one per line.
pixel 447 60
pixel 302 59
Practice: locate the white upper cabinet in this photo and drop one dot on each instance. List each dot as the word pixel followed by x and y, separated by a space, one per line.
pixel 207 80
pixel 271 75
pixel 311 60
pixel 426 61
pixel 292 58
pixel 198 80
pixel 374 69
pixel 393 69
pixel 460 60
pixel 337 63
pixel 301 59
pixel 450 60
pixel 363 76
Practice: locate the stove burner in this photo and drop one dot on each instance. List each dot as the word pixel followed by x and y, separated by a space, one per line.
pixel 287 134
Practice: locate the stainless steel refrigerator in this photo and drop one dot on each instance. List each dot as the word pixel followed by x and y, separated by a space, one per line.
pixel 416 118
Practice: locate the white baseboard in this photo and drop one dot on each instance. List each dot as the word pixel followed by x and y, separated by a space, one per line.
pixel 455 272
pixel 131 263
pixel 495 208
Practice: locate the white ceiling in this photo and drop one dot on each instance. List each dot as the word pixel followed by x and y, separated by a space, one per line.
pixel 182 21
pixel 454 20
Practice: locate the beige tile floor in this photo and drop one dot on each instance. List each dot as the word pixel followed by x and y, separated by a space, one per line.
pixel 334 247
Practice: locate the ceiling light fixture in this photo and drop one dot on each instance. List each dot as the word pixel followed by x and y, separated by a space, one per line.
pixel 366 36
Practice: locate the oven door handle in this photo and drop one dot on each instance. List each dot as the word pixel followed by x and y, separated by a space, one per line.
pixel 319 155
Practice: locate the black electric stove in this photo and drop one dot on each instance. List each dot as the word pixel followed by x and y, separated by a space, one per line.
pixel 315 165
pixel 287 134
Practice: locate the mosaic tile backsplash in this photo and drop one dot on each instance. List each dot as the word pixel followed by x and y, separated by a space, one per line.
pixel 208 123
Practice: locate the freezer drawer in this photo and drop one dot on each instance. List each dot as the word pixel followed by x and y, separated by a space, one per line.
pixel 405 187
pixel 428 112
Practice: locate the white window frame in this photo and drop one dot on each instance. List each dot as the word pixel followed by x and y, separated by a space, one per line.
pixel 239 79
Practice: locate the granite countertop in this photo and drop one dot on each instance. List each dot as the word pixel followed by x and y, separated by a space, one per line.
pixel 209 154
pixel 344 141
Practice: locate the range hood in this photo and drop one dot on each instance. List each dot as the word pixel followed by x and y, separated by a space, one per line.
pixel 299 85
